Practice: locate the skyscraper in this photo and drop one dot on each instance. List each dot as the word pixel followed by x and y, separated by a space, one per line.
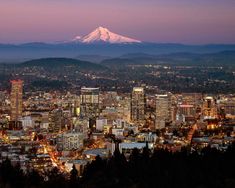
pixel 138 104
pixel 16 99
pixel 89 102
pixel 163 110
pixel 209 108
pixel 56 120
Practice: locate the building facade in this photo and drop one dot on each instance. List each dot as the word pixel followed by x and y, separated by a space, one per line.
pixel 70 141
pixel 163 110
pixel 89 102
pixel 16 99
pixel 209 108
pixel 138 104
pixel 56 120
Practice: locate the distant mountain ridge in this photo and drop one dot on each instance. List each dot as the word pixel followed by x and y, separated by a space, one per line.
pixel 92 58
pixel 208 59
pixel 12 53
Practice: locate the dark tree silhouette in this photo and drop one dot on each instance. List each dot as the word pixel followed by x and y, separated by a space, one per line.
pixel 73 177
pixel 163 169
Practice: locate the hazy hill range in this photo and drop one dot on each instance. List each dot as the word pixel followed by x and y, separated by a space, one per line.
pixel 93 58
pixel 208 59
pixel 61 62
pixel 50 73
pixel 17 53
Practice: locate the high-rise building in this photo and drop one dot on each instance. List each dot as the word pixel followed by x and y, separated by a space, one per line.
pixel 89 102
pixel 187 110
pixel 56 120
pixel 163 110
pixel 209 108
pixel 16 99
pixel 228 106
pixel 188 106
pixel 138 104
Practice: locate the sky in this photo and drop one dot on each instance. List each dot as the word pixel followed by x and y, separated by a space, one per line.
pixel 174 21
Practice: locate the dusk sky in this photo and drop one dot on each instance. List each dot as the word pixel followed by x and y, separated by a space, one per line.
pixel 181 21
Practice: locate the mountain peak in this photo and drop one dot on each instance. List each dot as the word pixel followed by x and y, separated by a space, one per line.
pixel 102 34
pixel 100 28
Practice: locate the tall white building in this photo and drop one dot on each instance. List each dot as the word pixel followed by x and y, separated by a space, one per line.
pixel 89 102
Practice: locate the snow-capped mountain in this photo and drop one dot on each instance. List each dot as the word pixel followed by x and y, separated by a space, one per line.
pixel 102 34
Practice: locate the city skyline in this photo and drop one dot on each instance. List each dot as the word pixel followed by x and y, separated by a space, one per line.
pixel 152 21
pixel 109 93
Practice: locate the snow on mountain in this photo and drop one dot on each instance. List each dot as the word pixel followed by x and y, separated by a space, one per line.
pixel 77 38
pixel 102 34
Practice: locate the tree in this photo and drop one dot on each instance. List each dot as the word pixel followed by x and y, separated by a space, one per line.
pixel 73 177
pixel 73 173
